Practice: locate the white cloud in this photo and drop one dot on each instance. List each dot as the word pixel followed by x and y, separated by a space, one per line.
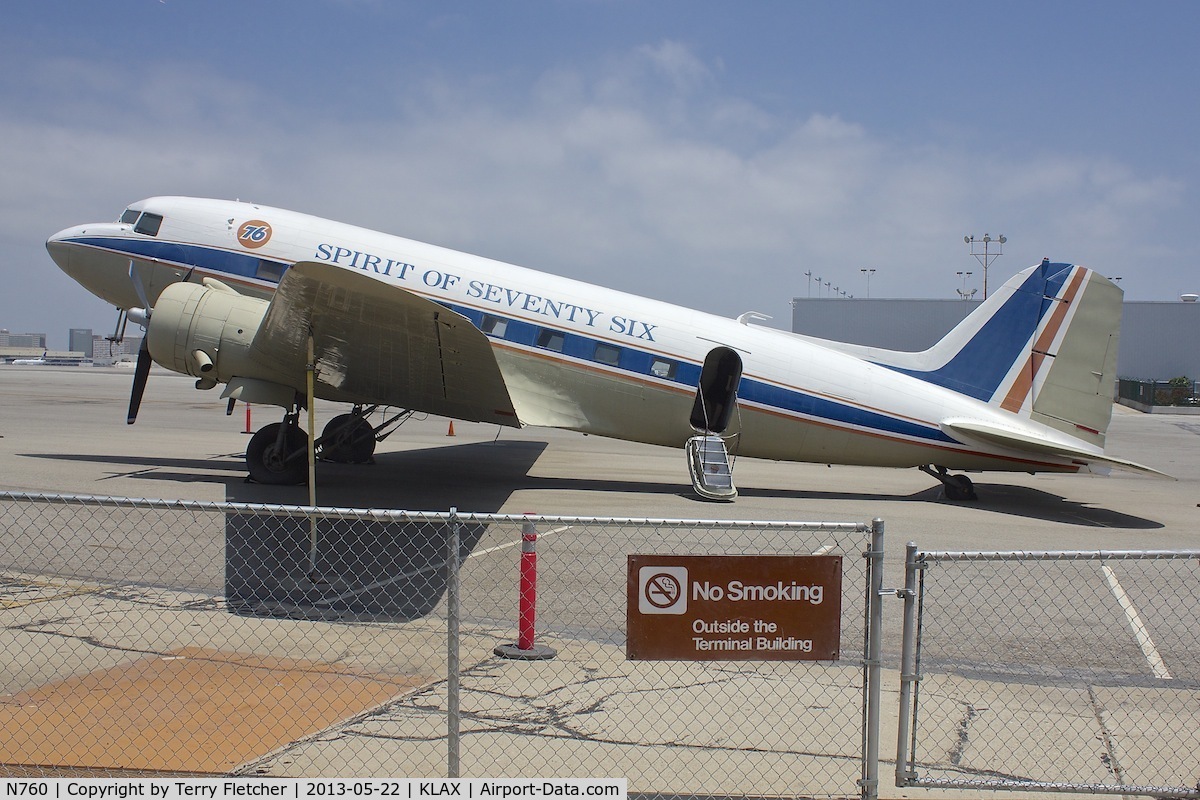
pixel 676 61
pixel 645 177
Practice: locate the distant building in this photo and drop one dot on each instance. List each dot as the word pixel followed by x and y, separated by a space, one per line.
pixel 106 352
pixel 1158 339
pixel 35 340
pixel 80 340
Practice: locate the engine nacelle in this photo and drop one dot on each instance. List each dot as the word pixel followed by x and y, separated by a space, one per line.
pixel 205 331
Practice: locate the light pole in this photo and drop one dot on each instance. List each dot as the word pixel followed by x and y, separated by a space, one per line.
pixel 988 255
pixel 963 293
pixel 808 275
pixel 827 284
pixel 868 273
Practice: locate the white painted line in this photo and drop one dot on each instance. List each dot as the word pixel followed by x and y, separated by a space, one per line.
pixel 1135 621
pixel 517 542
pixel 823 550
pixel 427 569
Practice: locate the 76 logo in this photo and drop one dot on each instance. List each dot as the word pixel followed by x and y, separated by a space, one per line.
pixel 254 233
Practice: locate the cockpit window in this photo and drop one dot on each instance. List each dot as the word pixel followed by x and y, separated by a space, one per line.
pixel 130 216
pixel 148 224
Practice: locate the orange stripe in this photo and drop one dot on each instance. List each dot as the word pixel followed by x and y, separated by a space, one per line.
pixel 1024 381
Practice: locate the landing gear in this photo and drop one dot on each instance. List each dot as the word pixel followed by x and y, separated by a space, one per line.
pixel 348 439
pixel 277 454
pixel 956 488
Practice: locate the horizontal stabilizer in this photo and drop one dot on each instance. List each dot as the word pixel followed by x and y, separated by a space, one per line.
pixel 1028 442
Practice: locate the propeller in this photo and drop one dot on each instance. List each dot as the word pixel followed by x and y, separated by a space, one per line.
pixel 141 316
pixel 140 375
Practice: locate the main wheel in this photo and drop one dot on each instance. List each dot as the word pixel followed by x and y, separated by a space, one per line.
pixel 348 440
pixel 270 463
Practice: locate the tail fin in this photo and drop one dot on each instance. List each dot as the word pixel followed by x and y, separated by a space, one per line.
pixel 1067 378
pixel 1044 346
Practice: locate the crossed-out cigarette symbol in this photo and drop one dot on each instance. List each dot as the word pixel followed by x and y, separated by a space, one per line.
pixel 663 590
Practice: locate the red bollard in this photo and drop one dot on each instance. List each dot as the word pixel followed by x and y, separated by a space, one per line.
pixel 247 420
pixel 526 648
pixel 527 616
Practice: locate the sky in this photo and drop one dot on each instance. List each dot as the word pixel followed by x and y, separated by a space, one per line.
pixel 718 155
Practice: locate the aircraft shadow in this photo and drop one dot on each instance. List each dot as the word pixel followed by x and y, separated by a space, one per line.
pixel 1024 501
pixel 995 498
pixel 191 470
pixel 382 570
pixel 367 569
pixel 480 477
pixel 360 569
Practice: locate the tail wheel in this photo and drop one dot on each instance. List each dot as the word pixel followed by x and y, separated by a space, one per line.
pixel 348 439
pixel 277 460
pixel 959 488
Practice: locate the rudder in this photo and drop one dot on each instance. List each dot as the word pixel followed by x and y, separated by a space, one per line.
pixel 1066 381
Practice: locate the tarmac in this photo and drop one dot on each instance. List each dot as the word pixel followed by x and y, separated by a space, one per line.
pixel 62 431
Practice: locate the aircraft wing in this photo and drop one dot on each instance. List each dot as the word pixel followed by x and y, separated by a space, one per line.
pixel 1025 441
pixel 375 342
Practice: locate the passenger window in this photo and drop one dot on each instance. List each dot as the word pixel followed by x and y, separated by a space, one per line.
pixel 607 354
pixel 662 368
pixel 493 326
pixel 129 217
pixel 551 340
pixel 270 270
pixel 149 224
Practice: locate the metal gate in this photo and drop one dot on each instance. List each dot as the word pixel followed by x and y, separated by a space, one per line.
pixel 147 636
pixel 1052 671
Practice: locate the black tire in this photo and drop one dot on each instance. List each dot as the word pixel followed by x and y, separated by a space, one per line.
pixel 959 488
pixel 348 440
pixel 270 464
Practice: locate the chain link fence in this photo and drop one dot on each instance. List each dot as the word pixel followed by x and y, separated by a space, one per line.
pixel 152 637
pixel 1052 671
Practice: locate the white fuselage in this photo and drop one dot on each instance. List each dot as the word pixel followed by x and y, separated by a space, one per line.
pixel 797 401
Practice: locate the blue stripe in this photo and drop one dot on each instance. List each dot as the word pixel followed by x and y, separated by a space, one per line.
pixel 231 263
pixel 575 345
pixel 979 367
pixel 688 374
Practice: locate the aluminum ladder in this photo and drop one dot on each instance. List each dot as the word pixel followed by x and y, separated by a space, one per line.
pixel 708 463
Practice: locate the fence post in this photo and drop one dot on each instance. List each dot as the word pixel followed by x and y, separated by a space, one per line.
pixel 452 643
pixel 874 663
pixel 908 666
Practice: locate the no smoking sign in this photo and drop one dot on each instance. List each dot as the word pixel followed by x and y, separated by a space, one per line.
pixel 708 608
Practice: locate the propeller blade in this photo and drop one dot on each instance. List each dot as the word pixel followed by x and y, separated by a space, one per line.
pixel 140 376
pixel 135 278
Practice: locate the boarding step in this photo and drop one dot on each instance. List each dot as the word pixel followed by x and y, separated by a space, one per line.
pixel 708 463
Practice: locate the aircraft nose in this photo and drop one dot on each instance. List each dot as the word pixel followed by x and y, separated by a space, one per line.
pixel 78 252
pixel 60 249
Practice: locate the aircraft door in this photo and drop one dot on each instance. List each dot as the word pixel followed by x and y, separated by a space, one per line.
pixel 716 396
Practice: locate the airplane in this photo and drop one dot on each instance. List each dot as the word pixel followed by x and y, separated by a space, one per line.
pixel 30 362
pixel 283 308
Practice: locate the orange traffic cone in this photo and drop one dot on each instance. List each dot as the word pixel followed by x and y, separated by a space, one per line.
pixel 451 431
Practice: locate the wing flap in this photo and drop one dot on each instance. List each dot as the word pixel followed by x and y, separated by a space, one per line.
pixel 1027 442
pixel 375 342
